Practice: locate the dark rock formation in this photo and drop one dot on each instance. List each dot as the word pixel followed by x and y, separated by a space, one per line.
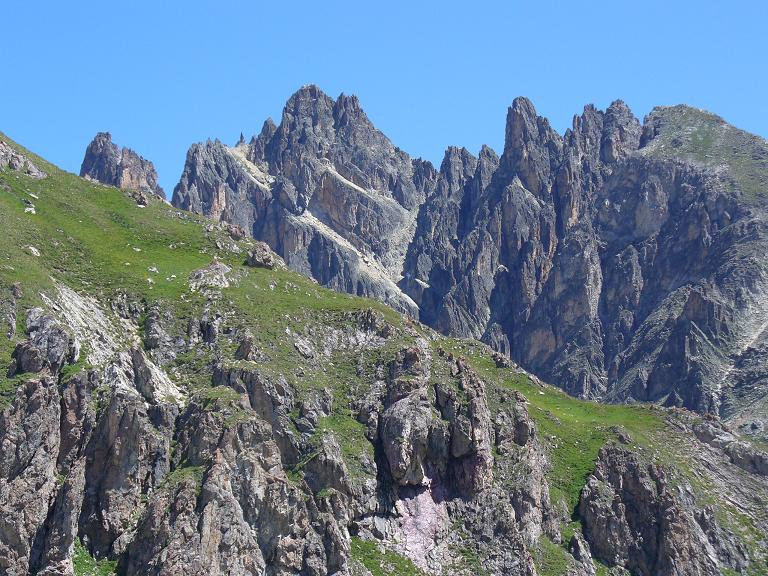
pixel 618 267
pixel 633 518
pixel 740 453
pixel 233 420
pixel 325 189
pixel 48 346
pixel 261 256
pixel 109 457
pixel 107 163
pixel 619 261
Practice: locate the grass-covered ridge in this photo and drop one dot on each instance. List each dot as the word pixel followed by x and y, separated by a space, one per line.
pixel 98 241
pixel 707 140
pixel 573 431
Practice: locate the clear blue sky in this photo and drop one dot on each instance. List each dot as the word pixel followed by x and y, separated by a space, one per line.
pixel 161 75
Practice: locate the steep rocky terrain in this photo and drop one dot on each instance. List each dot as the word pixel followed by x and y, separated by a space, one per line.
pixel 175 400
pixel 621 261
pixel 107 163
pixel 329 193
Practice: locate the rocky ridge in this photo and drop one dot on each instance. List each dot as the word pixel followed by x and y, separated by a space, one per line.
pixel 109 164
pixel 182 403
pixel 14 160
pixel 621 261
pixel 325 189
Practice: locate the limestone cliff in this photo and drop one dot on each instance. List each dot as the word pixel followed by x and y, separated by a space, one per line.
pixel 107 163
pixel 621 261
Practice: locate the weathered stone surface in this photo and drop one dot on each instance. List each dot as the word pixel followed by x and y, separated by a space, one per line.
pixel 567 254
pixel 109 164
pixel 13 160
pixel 260 256
pixel 209 450
pixel 743 455
pixel 49 346
pixel 633 518
pixel 30 445
pixel 252 473
pixel 326 190
pixel 608 260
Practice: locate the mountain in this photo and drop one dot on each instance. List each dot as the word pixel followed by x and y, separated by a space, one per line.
pixel 175 400
pixel 109 164
pixel 621 261
pixel 328 192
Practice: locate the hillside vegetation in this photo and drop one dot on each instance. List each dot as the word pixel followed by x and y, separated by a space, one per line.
pixel 64 231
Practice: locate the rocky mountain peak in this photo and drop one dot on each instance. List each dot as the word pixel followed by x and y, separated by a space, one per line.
pixel 266 425
pixel 347 110
pixel 258 144
pixel 457 167
pixel 532 149
pixel 605 136
pixel 308 111
pixel 109 164
pixel 574 255
pixel 621 133
pixel 268 129
pixel 324 184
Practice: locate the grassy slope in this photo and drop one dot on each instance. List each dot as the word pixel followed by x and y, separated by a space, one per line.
pixel 707 140
pixel 88 236
pixel 574 430
pixel 85 565
pixel 379 562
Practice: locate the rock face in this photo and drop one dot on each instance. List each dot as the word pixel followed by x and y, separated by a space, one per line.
pixel 250 474
pixel 326 190
pixel 109 164
pixel 13 160
pixel 620 261
pixel 599 260
pixel 114 461
pixel 633 519
pixel 261 256
pixel 193 407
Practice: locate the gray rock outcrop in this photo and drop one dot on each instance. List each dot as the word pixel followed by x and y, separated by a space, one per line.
pixel 109 164
pixel 633 519
pixel 621 261
pixel 13 160
pixel 326 190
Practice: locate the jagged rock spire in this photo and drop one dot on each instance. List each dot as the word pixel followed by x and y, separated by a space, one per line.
pixel 109 164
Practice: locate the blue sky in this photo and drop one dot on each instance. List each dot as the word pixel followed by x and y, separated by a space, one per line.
pixel 161 75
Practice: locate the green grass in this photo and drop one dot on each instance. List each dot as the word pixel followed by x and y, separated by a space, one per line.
pixel 551 559
pixel 184 474
pixel 350 434
pixel 382 563
pixel 86 565
pixel 97 241
pixel 94 239
pixel 706 139
pixel 270 301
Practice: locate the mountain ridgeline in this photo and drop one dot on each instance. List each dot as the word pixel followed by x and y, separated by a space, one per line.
pixel 622 261
pixel 175 400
